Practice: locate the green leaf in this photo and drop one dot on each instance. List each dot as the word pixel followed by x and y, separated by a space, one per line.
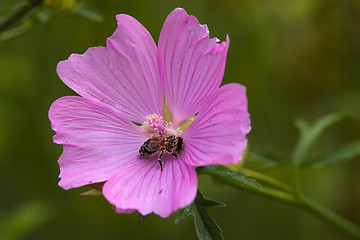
pixel 337 156
pixel 310 133
pixel 206 227
pixel 88 13
pixel 44 15
pixel 137 124
pixel 24 220
pixel 16 31
pixel 255 157
pixel 263 162
pixel 234 176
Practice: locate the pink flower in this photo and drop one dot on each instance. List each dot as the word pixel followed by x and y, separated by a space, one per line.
pixel 126 82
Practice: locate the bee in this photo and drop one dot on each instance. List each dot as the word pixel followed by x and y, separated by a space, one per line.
pixel 161 143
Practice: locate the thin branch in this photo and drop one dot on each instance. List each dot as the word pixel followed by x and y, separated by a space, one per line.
pixel 19 14
pixel 303 203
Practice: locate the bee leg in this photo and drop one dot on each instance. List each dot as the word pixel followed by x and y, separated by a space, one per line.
pixel 161 167
pixel 159 158
pixel 172 153
pixel 175 155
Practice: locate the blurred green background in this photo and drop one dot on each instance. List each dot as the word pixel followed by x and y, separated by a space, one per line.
pixel 297 58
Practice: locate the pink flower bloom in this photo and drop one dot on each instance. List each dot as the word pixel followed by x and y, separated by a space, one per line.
pixel 126 82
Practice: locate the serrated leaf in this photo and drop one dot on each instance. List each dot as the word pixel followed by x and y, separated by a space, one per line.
pixel 337 156
pixel 310 133
pixel 185 212
pixel 234 176
pixel 211 204
pixel 206 227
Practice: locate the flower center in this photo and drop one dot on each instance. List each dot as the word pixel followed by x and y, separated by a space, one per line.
pixel 155 123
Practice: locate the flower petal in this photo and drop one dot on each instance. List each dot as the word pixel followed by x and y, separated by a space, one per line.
pixel 127 211
pixel 217 134
pixel 142 186
pixel 124 74
pixel 96 140
pixel 193 64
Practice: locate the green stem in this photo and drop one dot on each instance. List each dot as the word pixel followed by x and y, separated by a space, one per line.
pixel 18 14
pixel 297 181
pixel 304 203
pixel 265 178
pixel 330 217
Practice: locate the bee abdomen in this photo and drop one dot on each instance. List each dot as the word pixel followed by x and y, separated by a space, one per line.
pixel 179 144
pixel 148 148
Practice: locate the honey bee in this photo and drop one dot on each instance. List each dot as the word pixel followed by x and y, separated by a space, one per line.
pixel 161 143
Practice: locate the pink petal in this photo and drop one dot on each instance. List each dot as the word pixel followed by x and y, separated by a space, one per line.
pixel 124 74
pixel 193 64
pixel 142 186
pixel 128 211
pixel 217 135
pixel 97 141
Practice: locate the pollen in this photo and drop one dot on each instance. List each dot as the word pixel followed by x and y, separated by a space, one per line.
pixel 155 123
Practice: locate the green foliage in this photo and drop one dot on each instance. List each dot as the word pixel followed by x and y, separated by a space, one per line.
pixel 16 31
pixel 24 15
pixel 346 153
pixel 206 227
pixel 263 162
pixel 230 176
pixel 23 221
pixel 281 51
pixel 87 13
pixel 310 133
